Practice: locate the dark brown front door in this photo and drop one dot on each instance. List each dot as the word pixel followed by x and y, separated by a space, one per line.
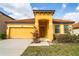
pixel 43 28
pixel 42 31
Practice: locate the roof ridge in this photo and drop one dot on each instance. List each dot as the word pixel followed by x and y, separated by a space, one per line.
pixel 6 15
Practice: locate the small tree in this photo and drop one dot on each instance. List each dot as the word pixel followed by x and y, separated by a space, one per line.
pixel 36 35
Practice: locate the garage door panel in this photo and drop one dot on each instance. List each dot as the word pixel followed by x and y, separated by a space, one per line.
pixel 21 33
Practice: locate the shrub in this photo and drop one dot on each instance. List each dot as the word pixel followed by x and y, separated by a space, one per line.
pixel 68 37
pixel 77 40
pixel 78 36
pixel 59 38
pixel 74 38
pixel 65 38
pixel 54 37
pixel 2 35
pixel 36 36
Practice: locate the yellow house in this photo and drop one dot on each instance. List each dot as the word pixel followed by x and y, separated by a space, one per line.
pixel 46 25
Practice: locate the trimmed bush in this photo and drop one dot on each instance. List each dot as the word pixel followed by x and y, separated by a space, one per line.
pixel 54 37
pixel 77 40
pixel 2 35
pixel 74 38
pixel 66 38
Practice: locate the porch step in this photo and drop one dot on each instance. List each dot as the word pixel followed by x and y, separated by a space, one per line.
pixel 43 39
pixel 43 43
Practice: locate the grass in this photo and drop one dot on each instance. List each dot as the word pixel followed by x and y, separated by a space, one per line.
pixel 53 50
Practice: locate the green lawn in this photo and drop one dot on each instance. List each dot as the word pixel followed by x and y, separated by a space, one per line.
pixel 53 50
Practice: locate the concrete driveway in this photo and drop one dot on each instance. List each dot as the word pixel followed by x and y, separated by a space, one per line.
pixel 13 47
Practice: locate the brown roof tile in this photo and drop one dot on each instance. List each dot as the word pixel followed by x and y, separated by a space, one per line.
pixel 75 26
pixel 7 16
pixel 21 21
pixel 62 21
pixel 32 21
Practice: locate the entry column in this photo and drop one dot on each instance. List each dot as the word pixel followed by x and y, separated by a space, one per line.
pixel 50 31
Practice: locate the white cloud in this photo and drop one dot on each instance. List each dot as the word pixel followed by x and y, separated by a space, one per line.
pixel 35 8
pixel 72 16
pixel 63 5
pixel 77 8
pixel 18 10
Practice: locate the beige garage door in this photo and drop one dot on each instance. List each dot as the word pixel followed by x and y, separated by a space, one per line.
pixel 21 33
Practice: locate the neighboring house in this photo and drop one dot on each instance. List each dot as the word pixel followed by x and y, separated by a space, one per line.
pixel 43 21
pixel 3 18
pixel 75 28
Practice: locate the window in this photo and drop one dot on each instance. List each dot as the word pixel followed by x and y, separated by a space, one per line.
pixel 57 28
pixel 66 28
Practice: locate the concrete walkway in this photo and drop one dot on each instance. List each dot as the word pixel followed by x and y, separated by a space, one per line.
pixel 13 47
pixel 43 43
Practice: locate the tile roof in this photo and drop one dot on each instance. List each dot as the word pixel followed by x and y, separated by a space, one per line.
pixel 21 21
pixel 75 25
pixel 62 21
pixel 32 21
pixel 7 15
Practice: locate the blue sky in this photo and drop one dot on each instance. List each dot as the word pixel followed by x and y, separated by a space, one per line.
pixel 17 10
pixel 68 11
pixel 60 8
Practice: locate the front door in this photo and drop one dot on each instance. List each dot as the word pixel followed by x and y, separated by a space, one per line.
pixel 43 28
